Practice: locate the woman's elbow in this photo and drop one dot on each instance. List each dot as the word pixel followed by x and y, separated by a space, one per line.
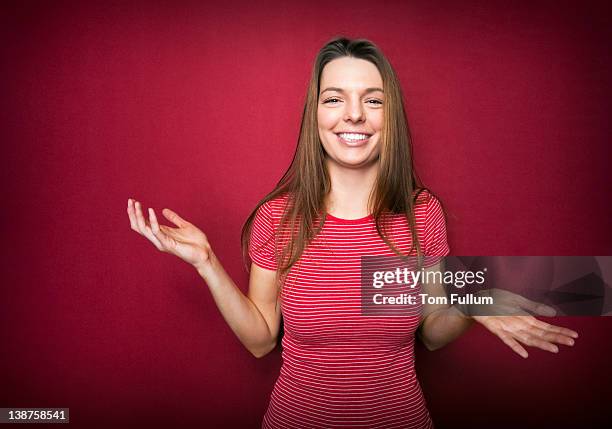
pixel 260 352
pixel 432 347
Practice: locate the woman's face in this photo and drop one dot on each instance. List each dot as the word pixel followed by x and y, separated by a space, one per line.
pixel 350 111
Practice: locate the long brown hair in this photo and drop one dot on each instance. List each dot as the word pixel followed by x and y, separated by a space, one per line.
pixel 306 182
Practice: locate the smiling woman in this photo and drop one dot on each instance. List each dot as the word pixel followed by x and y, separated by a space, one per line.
pixel 350 114
pixel 350 119
pixel 350 192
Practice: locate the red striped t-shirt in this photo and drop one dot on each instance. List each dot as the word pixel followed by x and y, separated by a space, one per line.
pixel 342 369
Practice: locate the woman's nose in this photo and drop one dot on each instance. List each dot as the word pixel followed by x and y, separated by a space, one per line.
pixel 354 111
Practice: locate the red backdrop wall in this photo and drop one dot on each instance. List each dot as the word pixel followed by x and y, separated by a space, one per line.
pixel 197 108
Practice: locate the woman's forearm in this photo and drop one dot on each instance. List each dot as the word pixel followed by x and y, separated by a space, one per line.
pixel 443 326
pixel 240 313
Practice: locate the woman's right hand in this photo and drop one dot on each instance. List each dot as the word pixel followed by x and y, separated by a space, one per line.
pixel 186 241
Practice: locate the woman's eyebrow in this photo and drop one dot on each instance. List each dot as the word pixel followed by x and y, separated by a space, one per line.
pixel 334 88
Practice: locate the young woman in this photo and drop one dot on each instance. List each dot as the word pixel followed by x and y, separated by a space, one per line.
pixel 349 192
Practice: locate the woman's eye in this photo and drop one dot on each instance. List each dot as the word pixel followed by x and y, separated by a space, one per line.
pixel 336 100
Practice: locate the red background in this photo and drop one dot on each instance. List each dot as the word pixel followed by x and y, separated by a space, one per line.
pixel 197 108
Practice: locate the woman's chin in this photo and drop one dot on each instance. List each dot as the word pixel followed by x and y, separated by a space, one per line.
pixel 354 162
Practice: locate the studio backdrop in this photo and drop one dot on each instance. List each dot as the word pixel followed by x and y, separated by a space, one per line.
pixel 197 107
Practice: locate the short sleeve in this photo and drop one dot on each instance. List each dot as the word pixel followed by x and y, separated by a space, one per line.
pixel 262 240
pixel 436 242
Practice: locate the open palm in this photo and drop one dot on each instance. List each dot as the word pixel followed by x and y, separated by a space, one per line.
pixel 186 241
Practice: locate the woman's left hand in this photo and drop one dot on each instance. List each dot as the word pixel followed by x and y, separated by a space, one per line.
pixel 513 330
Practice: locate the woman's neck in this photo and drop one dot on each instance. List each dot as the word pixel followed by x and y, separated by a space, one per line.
pixel 350 190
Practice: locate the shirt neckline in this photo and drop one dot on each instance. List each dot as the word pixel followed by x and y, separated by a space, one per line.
pixel 364 219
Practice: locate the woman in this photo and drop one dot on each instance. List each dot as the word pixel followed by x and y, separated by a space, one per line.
pixel 350 192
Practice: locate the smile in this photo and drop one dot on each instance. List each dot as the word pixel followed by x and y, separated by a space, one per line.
pixel 353 139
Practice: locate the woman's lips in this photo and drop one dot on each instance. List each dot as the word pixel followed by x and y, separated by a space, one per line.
pixel 353 143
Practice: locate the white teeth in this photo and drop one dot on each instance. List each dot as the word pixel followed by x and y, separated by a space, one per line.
pixel 353 136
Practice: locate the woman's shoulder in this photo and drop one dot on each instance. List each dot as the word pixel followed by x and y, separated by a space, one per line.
pixel 428 207
pixel 424 199
pixel 275 206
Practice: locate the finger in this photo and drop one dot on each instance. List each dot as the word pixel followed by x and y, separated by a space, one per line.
pixel 536 307
pixel 148 232
pixel 140 221
pixel 158 231
pixel 531 339
pixel 144 228
pixel 153 220
pixel 175 218
pixel 171 232
pixel 553 328
pixel 550 336
pixel 514 345
pixel 565 335
pixel 132 215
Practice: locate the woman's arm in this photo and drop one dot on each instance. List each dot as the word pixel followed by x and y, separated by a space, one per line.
pixel 255 319
pixel 440 323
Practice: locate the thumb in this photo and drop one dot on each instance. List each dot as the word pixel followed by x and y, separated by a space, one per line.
pixel 174 218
